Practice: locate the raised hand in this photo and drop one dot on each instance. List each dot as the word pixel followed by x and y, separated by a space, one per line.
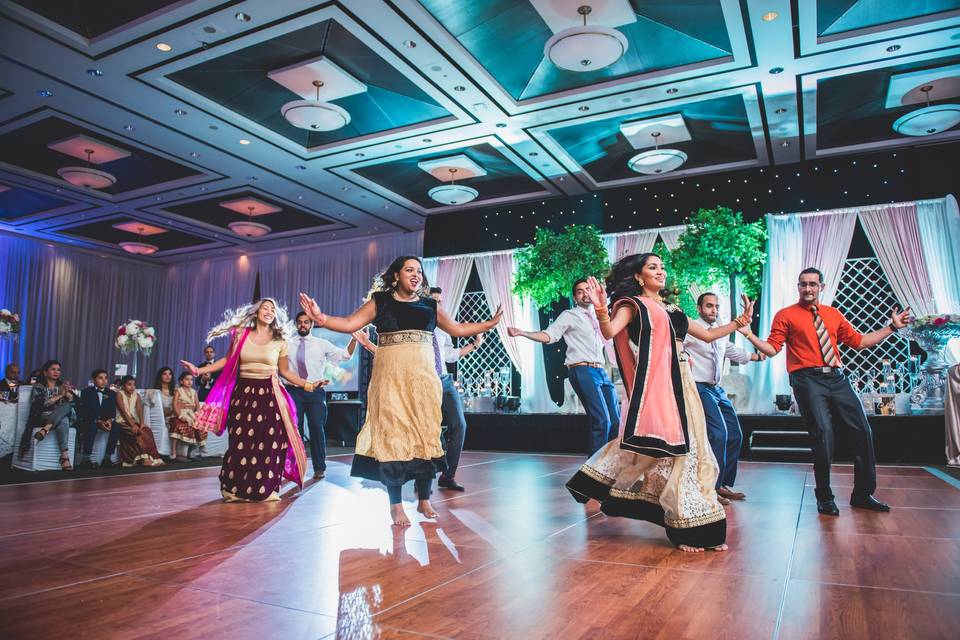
pixel 596 292
pixel 513 332
pixel 312 309
pixel 747 314
pixel 192 368
pixel 361 337
pixel 495 320
pixel 900 319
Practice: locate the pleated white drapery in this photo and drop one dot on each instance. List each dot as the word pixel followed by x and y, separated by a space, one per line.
pixel 939 224
pixel 451 275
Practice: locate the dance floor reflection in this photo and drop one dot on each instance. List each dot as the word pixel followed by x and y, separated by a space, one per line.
pixel 159 555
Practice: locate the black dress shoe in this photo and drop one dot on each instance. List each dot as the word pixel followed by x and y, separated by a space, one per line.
pixel 869 502
pixel 449 483
pixel 828 507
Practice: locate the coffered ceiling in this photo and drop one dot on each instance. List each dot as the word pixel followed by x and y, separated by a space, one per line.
pixel 181 104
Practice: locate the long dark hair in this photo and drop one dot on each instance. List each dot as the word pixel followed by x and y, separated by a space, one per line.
pixel 387 281
pixel 621 282
pixel 42 379
pixel 158 382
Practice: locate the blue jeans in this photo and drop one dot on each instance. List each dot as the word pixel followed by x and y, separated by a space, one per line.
pixel 455 423
pixel 723 431
pixel 313 407
pixel 599 398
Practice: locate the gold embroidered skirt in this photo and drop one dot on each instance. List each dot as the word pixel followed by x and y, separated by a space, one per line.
pixel 676 492
pixel 400 439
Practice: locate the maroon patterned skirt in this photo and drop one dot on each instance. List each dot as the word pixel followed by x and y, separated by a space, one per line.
pixel 253 465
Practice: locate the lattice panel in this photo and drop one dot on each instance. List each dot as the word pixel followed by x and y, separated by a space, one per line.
pixel 483 365
pixel 865 298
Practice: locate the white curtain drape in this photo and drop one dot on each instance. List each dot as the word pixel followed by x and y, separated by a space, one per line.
pixel 826 244
pixel 451 275
pixel 894 234
pixel 784 262
pixel 939 224
pixel 497 272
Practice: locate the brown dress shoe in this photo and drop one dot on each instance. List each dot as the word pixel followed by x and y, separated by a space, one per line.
pixel 730 494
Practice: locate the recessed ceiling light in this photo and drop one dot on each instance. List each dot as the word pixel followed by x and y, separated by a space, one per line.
pixel 359 155
pixel 426 140
pixel 780 110
pixel 785 143
pixel 344 188
pixel 209 29
pixel 893 47
pixel 244 141
pixel 410 44
pixel 180 112
pixel 459 87
pixel 242 17
pixel 672 90
pixel 501 125
pixel 213 127
pixel 163 46
pixel 770 16
pixel 44 93
pixel 128 127
pixel 533 154
pixel 96 73
pixel 203 188
pixel 584 108
pixel 301 167
pixel 194 154
pixel 776 70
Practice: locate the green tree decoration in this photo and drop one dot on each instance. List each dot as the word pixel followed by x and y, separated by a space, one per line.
pixel 547 268
pixel 718 247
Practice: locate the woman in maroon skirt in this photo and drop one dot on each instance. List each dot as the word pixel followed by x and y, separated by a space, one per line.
pixel 249 401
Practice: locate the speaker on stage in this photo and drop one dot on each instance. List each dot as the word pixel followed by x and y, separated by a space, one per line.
pixel 343 420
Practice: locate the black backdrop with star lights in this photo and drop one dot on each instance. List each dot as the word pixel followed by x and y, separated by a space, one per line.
pixel 924 171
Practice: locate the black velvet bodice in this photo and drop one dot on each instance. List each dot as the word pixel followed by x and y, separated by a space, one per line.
pixel 679 320
pixel 393 315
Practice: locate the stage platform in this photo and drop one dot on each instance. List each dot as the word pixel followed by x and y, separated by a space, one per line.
pixel 897 439
pixel 159 555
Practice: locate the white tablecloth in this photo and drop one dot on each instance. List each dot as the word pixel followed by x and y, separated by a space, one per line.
pixel 8 428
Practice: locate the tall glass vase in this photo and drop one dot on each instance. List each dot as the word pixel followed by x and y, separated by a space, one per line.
pixel 927 398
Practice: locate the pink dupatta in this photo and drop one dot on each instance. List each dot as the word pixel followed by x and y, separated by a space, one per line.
pixel 212 415
pixel 654 422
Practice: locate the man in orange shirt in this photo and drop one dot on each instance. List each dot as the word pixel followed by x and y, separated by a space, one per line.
pixel 812 332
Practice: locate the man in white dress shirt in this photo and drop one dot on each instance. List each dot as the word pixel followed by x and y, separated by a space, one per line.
pixel 723 427
pixel 308 354
pixel 580 329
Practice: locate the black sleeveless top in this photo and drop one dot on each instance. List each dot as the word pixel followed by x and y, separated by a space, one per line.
pixel 679 320
pixel 393 315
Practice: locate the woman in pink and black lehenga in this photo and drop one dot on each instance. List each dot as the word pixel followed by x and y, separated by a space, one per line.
pixel 249 401
pixel 661 468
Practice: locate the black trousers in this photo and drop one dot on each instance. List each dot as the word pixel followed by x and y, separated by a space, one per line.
pixel 90 434
pixel 825 400
pixel 313 407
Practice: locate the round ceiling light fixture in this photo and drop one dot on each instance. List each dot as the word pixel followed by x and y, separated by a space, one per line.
pixel 87 176
pixel 453 193
pixel 585 48
pixel 656 161
pixel 139 247
pixel 315 115
pixel 928 120
pixel 248 228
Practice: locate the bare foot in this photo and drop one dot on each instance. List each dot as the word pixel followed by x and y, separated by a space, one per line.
pixel 689 549
pixel 426 509
pixel 399 516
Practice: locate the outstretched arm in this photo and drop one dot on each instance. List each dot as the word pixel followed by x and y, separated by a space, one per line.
pixel 354 322
pixel 364 340
pixel 536 336
pixel 609 327
pixel 283 368
pixel 466 329
pixel 709 335
pixel 898 320
pixel 209 368
pixel 761 346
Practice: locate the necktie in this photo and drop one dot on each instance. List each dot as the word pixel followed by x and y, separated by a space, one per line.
pixel 595 324
pixel 302 358
pixel 826 347
pixel 437 362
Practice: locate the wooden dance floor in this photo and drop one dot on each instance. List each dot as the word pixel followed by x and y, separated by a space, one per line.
pixel 159 556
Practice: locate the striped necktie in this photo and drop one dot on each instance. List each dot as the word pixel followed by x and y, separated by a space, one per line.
pixel 826 347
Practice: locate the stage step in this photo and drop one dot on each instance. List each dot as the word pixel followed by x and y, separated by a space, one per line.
pixel 780 445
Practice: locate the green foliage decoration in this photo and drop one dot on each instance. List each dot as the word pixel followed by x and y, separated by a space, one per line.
pixel 547 268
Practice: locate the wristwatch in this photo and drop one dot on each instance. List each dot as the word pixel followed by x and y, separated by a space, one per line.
pixel 892 328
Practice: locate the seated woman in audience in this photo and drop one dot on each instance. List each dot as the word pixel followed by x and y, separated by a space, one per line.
pixel 51 409
pixel 185 407
pixel 137 445
pixel 164 382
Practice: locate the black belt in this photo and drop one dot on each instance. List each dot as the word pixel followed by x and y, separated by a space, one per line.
pixel 820 370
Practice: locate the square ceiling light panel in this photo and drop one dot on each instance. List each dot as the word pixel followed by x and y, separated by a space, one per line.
pixel 77 146
pixel 140 228
pixel 439 168
pixel 639 133
pixel 299 79
pixel 250 206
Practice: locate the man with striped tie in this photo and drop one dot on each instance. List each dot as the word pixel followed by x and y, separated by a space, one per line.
pixel 812 333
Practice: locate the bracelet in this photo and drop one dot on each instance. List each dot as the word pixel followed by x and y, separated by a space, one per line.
pixel 602 314
pixel 740 322
pixel 892 328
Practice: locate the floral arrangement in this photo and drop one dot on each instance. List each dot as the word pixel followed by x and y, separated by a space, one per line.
pixel 135 335
pixel 935 320
pixel 9 322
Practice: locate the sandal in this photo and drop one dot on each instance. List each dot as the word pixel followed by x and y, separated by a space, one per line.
pixel 65 463
pixel 42 432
